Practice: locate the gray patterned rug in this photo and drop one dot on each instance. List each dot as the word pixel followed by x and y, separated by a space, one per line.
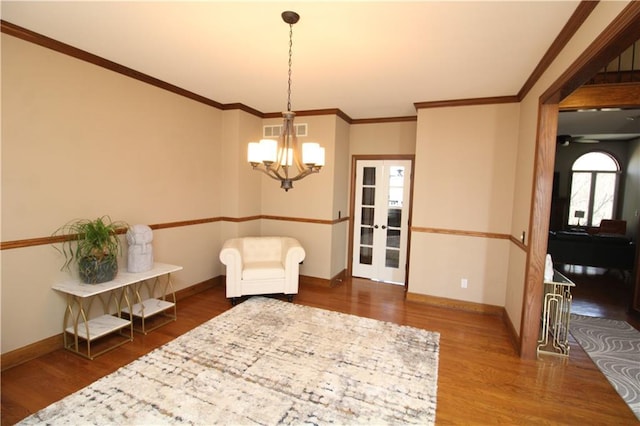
pixel 268 362
pixel 614 346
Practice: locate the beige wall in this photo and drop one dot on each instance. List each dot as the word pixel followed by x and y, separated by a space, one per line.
pixel 340 202
pixel 463 183
pixel 467 167
pixel 81 140
pixel 316 240
pixel 383 138
pixel 240 196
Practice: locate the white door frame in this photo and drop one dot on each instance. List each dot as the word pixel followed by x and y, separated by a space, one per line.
pixel 354 160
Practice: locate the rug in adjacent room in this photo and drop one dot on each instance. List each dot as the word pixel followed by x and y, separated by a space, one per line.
pixel 269 362
pixel 614 346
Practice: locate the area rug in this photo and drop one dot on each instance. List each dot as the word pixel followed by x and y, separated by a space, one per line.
pixel 614 346
pixel 268 362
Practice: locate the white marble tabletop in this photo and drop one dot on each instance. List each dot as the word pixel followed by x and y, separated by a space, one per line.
pixel 124 278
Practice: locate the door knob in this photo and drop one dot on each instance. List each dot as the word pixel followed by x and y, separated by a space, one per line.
pixel 375 226
pixel 384 227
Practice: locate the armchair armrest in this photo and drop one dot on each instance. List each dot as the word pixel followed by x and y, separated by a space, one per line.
pixel 292 252
pixel 231 256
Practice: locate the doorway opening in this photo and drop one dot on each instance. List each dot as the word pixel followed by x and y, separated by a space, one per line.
pixel 588 207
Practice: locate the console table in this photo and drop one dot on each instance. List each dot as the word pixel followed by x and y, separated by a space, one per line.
pixel 117 311
pixel 556 311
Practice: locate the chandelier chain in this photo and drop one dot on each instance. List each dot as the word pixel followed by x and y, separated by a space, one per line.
pixel 290 62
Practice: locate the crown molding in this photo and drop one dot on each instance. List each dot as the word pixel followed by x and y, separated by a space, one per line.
pixel 468 102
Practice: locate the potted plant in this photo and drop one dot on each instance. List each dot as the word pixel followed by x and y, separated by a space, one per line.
pixel 94 245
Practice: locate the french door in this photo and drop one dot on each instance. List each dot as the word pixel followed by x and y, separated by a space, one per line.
pixel 381 219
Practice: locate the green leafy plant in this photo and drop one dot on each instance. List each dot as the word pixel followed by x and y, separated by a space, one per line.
pixel 91 242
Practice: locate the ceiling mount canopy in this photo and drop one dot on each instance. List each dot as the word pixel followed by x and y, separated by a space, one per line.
pixel 285 159
pixel 290 17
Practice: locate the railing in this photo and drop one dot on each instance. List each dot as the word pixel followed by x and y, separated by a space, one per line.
pixel 623 69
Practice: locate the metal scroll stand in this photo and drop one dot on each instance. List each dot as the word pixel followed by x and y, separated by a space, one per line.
pixel 556 312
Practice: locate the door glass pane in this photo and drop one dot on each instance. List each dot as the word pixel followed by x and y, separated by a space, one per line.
pixel 394 218
pixel 366 255
pixel 369 176
pixel 395 197
pixel 366 236
pixel 396 176
pixel 396 183
pixel 393 238
pixel 603 197
pixel 580 189
pixel 368 196
pixel 367 216
pixel 392 259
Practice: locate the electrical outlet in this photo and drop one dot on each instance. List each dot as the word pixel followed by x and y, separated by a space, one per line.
pixel 463 283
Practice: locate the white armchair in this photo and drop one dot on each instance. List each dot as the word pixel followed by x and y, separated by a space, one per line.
pixel 262 265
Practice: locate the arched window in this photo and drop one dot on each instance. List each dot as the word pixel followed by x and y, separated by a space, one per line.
pixel 594 187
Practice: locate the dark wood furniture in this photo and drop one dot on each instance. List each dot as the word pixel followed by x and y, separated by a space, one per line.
pixel 610 251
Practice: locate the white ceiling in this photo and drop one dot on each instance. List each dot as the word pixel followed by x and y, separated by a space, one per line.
pixel 369 59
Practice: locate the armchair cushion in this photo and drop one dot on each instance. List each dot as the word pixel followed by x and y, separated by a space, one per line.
pixel 262 270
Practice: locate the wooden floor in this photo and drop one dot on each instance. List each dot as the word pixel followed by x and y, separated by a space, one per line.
pixel 481 380
pixel 601 292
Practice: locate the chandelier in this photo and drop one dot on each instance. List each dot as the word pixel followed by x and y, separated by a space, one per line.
pixel 286 159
